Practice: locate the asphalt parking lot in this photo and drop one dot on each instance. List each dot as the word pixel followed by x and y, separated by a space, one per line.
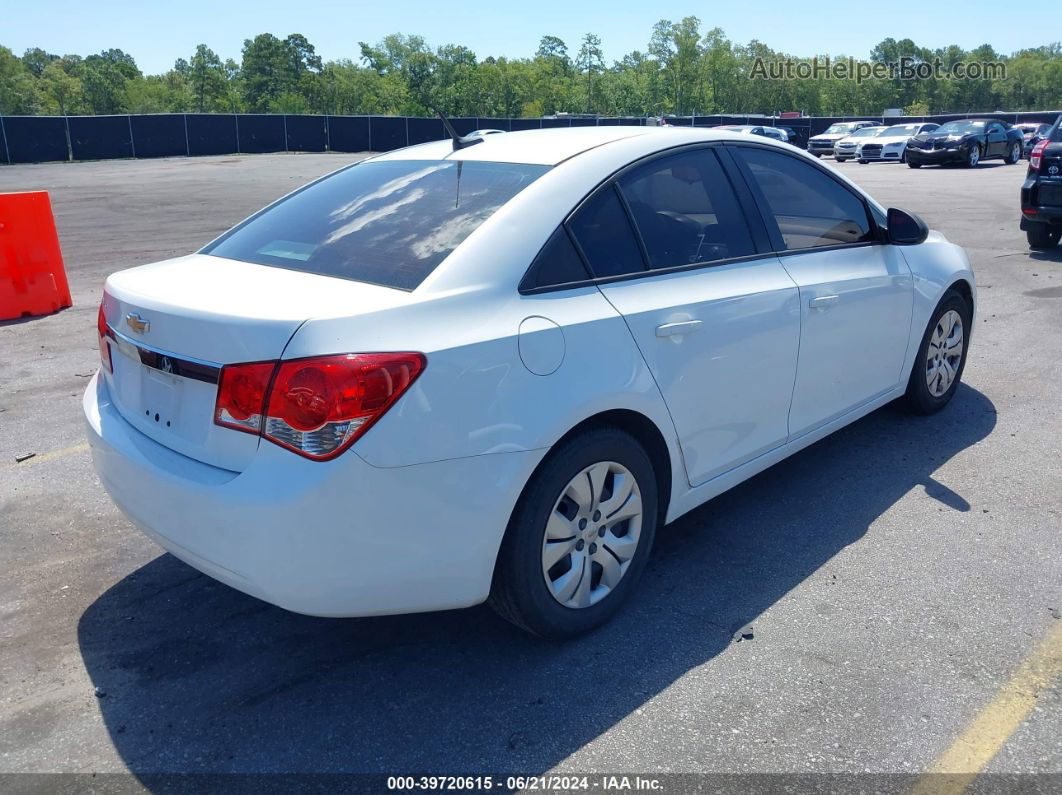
pixel 903 578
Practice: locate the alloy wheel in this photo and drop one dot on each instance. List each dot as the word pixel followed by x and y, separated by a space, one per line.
pixel 944 353
pixel 592 534
pixel 973 156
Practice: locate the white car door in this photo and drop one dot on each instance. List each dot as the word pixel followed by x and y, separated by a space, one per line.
pixel 855 292
pixel 717 323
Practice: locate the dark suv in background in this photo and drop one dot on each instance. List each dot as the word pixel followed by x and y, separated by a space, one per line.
pixel 1041 193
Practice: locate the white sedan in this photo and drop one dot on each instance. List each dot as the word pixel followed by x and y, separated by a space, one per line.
pixel 453 373
pixel 891 143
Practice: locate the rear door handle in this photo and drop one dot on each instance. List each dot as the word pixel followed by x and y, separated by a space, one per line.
pixel 823 301
pixel 674 329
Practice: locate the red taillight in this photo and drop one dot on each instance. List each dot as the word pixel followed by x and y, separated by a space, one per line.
pixel 1037 154
pixel 242 394
pixel 316 407
pixel 105 348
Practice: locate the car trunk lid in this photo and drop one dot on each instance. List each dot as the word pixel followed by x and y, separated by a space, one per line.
pixel 174 324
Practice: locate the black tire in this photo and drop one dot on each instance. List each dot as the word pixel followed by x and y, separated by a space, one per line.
pixel 816 154
pixel 1042 236
pixel 969 156
pixel 918 397
pixel 1013 154
pixel 519 592
pixel 863 162
pixel 841 159
pixel 913 165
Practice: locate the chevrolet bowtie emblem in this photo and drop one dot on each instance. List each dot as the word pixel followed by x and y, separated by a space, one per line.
pixel 137 323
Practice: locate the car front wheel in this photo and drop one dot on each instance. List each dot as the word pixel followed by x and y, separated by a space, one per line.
pixel 913 165
pixel 580 536
pixel 973 156
pixel 941 356
pixel 1042 236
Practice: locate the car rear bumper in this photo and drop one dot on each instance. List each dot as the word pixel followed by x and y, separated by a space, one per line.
pixel 335 538
pixel 931 157
pixel 1033 210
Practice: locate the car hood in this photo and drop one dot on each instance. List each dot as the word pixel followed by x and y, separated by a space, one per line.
pixel 892 139
pixel 933 137
pixel 830 137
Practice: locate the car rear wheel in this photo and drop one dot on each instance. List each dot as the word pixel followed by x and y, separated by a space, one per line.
pixel 973 156
pixel 1042 236
pixel 1014 155
pixel 941 356
pixel 580 536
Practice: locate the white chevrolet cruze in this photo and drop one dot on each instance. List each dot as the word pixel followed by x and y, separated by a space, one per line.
pixel 460 372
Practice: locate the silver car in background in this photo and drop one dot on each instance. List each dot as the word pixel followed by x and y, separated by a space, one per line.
pixel 822 144
pixel 845 149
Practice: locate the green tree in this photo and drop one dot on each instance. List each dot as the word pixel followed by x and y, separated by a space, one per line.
pixel 19 94
pixel 35 59
pixel 589 61
pixel 62 88
pixel 207 80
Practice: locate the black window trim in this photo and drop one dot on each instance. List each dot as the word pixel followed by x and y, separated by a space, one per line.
pixel 780 250
pixel 749 212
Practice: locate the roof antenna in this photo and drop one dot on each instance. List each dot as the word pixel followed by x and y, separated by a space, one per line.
pixel 460 141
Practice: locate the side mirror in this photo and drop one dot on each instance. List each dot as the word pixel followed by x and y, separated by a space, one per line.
pixel 904 228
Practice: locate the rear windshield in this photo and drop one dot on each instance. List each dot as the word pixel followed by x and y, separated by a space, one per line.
pixel 390 222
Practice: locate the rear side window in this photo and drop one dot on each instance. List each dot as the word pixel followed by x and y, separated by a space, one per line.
pixel 810 208
pixel 604 234
pixel 686 210
pixel 556 264
pixel 390 222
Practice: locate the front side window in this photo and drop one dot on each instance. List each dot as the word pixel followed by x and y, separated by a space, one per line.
pixel 389 222
pixel 810 208
pixel 686 210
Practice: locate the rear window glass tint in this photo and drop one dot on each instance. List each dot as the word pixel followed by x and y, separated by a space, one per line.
pixel 557 263
pixel 388 223
pixel 686 211
pixel 605 235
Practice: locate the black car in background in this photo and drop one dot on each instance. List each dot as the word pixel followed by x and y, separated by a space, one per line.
pixel 794 136
pixel 967 141
pixel 1041 193
pixel 1032 133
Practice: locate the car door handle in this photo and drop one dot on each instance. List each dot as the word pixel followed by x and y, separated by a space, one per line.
pixel 674 329
pixel 823 302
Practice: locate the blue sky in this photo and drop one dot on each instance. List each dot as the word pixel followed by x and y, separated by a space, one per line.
pixel 157 33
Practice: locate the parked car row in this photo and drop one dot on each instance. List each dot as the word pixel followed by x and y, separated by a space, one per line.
pixel 966 142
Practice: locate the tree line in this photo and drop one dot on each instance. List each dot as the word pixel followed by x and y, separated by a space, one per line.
pixel 683 70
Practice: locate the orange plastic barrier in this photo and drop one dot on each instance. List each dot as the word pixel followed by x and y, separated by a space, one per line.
pixel 32 277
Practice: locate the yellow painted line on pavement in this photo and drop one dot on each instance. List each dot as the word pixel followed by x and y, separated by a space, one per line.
pixel 54 454
pixel 971 752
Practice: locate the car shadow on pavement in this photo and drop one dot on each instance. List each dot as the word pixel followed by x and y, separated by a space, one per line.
pixel 197 677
